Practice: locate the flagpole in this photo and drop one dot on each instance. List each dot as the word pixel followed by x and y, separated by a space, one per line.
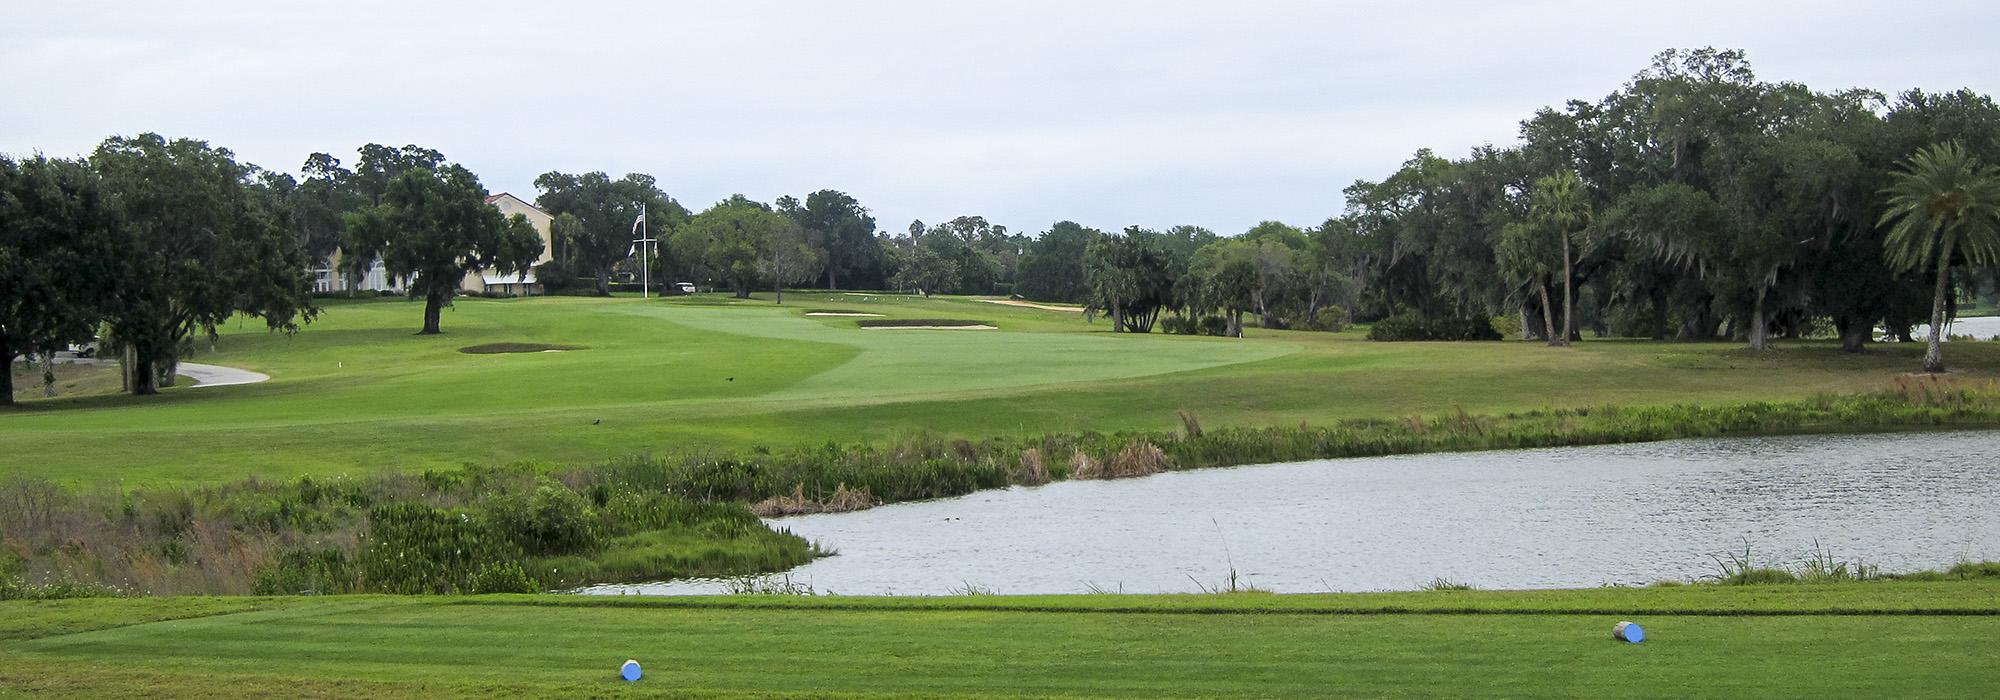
pixel 645 263
pixel 645 258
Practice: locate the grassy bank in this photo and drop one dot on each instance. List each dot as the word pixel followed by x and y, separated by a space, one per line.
pixel 649 518
pixel 356 393
pixel 1755 641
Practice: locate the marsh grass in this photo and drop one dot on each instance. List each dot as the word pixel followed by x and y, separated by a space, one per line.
pixel 1032 472
pixel 652 517
pixel 767 585
pixel 1138 458
pixel 1443 583
pixel 1233 582
pixel 1190 425
pixel 842 500
pixel 468 531
pixel 1823 567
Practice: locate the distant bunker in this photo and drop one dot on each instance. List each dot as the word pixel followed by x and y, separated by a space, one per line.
pixel 841 312
pixel 504 348
pixel 936 324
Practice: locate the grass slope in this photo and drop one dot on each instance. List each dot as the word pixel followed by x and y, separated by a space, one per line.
pixel 1508 644
pixel 357 391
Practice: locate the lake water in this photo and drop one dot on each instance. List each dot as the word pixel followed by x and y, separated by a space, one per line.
pixel 1981 327
pixel 1568 517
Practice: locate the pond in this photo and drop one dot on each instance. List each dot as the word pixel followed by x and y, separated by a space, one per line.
pixel 1981 327
pixel 1546 518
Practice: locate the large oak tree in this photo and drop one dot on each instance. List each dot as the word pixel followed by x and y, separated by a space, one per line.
pixel 57 258
pixel 433 226
pixel 605 210
pixel 201 240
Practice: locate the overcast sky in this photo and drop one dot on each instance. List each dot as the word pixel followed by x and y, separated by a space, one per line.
pixel 1218 114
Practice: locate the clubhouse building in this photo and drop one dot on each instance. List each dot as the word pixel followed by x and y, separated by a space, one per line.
pixel 327 278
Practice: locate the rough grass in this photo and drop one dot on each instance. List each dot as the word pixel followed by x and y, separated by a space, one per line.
pixel 73 380
pixel 1790 641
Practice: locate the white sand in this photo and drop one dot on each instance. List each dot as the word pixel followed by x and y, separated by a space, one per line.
pixel 825 313
pixel 930 328
pixel 1032 305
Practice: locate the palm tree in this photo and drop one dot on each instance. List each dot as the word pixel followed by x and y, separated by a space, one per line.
pixel 1524 255
pixel 1560 201
pixel 1943 199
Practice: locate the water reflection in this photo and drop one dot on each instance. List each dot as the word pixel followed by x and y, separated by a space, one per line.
pixel 1574 517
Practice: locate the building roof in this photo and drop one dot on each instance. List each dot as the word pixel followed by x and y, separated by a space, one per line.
pixel 525 277
pixel 495 198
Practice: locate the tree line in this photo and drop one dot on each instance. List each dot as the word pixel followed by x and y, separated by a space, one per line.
pixel 148 244
pixel 1695 202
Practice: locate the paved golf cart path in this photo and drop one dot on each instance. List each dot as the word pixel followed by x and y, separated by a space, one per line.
pixel 218 375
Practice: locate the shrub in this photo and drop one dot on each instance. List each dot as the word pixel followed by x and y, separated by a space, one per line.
pixel 306 572
pixel 555 520
pixel 1213 325
pixel 1331 319
pixel 1184 325
pixel 557 276
pixel 414 548
pixel 503 577
pixel 1407 327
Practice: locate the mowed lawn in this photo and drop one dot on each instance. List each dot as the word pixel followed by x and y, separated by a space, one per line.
pixel 1852 640
pixel 357 391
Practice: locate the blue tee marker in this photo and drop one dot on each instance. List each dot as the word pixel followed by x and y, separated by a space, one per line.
pixel 1629 632
pixel 630 671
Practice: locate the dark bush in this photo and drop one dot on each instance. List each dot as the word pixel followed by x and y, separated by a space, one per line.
pixel 558 277
pixel 414 548
pixel 1213 325
pixel 503 577
pixel 307 572
pixel 1331 319
pixel 1206 325
pixel 1404 327
pixel 555 520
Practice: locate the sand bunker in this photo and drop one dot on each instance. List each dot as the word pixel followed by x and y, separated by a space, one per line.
pixel 931 328
pixel 842 313
pixel 501 348
pixel 1033 305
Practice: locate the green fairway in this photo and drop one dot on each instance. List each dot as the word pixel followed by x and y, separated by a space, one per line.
pixel 1781 641
pixel 356 391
